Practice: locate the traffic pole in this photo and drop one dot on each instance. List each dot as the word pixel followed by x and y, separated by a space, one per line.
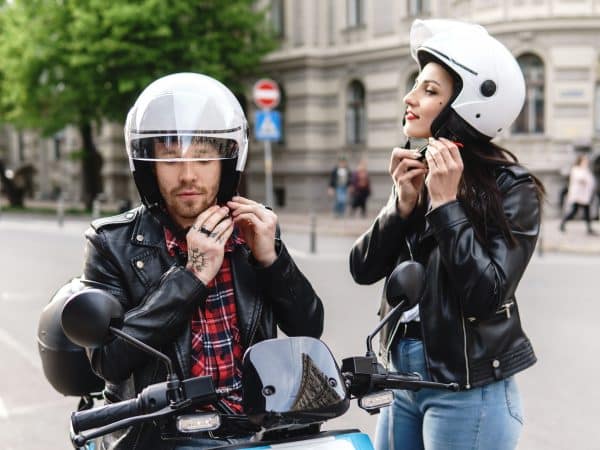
pixel 313 232
pixel 268 175
pixel 60 210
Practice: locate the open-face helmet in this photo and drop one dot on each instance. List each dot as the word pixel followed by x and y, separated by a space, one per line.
pixel 185 117
pixel 489 85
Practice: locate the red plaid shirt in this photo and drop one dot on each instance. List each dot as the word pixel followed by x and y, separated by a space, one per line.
pixel 216 343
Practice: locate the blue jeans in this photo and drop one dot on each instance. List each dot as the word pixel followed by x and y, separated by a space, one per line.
pixel 341 195
pixel 488 417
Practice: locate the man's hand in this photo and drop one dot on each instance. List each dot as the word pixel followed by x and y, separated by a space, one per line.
pixel 206 242
pixel 445 171
pixel 408 175
pixel 257 225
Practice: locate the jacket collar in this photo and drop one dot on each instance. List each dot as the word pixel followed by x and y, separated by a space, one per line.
pixel 147 230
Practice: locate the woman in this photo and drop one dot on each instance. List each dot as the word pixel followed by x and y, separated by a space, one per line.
pixel 361 188
pixel 471 215
pixel 580 192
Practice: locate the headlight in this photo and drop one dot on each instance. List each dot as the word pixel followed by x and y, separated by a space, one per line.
pixel 377 400
pixel 192 423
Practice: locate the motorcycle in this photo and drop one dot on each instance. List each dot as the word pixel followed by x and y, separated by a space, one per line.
pixel 291 386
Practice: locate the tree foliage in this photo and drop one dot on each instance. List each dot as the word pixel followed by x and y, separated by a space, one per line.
pixel 80 61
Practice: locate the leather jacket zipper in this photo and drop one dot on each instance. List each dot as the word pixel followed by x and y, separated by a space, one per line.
pixel 505 309
pixel 468 385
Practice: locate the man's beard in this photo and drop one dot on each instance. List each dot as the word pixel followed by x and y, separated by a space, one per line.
pixel 191 208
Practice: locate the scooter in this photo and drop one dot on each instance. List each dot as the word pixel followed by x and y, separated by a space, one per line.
pixel 291 386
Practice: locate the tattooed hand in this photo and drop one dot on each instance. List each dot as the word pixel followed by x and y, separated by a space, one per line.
pixel 206 242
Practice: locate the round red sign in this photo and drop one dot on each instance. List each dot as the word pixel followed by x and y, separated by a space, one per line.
pixel 266 94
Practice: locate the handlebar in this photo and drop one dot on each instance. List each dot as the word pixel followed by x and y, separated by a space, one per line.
pixel 365 375
pixel 155 401
pixel 103 415
pixel 408 381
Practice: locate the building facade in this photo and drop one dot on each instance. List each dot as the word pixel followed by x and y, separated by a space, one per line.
pixel 343 67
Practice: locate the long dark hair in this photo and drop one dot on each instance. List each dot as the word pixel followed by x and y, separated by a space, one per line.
pixel 479 193
pixel 478 190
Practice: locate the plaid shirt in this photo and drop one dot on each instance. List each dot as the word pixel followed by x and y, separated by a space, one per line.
pixel 216 342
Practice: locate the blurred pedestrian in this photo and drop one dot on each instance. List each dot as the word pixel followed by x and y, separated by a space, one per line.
pixel 339 182
pixel 580 192
pixel 361 188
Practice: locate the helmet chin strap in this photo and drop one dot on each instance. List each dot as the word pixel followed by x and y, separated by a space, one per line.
pixel 450 125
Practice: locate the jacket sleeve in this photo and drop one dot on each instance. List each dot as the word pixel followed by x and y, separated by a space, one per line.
pixel 155 321
pixel 485 277
pixel 375 253
pixel 297 308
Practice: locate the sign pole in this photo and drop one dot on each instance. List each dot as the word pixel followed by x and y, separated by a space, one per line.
pixel 268 175
pixel 268 127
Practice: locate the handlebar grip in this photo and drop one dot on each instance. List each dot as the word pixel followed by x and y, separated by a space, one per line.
pixel 98 417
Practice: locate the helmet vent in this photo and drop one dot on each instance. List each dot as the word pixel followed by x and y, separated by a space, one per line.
pixel 488 88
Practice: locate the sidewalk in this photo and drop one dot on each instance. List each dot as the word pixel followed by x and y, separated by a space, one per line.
pixel 574 240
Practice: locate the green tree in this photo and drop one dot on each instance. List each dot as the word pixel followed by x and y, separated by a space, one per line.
pixel 77 62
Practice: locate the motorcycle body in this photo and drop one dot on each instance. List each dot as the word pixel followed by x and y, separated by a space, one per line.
pixel 291 386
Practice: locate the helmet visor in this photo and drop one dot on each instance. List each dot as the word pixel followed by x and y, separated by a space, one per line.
pixel 174 148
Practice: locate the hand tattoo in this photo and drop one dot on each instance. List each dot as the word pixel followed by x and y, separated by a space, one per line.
pixel 198 259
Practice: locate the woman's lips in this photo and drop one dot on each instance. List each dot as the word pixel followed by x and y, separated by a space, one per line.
pixel 411 116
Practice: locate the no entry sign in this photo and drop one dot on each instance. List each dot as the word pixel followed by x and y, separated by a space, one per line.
pixel 266 94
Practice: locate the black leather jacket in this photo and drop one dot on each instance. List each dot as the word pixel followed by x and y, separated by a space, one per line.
pixel 470 322
pixel 127 256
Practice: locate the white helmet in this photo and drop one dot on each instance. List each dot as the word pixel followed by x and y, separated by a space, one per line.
pixel 490 91
pixel 171 117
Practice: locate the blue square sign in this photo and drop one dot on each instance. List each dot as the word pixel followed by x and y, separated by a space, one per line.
pixel 267 125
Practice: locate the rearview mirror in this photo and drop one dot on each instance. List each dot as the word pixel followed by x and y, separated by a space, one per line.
pixel 88 315
pixel 405 284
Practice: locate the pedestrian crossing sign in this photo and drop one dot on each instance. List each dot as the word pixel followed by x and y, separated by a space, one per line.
pixel 267 125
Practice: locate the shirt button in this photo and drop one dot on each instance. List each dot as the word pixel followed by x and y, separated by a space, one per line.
pixel 139 237
pixel 495 364
pixel 139 264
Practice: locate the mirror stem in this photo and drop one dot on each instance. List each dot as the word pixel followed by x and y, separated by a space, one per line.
pixel 139 344
pixel 385 320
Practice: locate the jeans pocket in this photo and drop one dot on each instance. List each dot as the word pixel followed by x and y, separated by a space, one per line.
pixel 513 399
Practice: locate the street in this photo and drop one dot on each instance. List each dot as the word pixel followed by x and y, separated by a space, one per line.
pixel 556 298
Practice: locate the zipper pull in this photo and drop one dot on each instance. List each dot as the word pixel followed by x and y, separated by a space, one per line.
pixel 507 309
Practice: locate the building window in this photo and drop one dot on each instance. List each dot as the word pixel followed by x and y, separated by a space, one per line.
pixel 418 7
pixel 277 17
pixel 597 109
pixel 355 13
pixel 531 118
pixel 355 113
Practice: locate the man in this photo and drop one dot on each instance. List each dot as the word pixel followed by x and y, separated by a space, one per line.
pixel 200 272
pixel 339 181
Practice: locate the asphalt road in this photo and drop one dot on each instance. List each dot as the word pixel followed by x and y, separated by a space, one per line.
pixel 557 301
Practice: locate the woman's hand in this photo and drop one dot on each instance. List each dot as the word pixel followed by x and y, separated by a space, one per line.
pixel 258 225
pixel 445 171
pixel 408 175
